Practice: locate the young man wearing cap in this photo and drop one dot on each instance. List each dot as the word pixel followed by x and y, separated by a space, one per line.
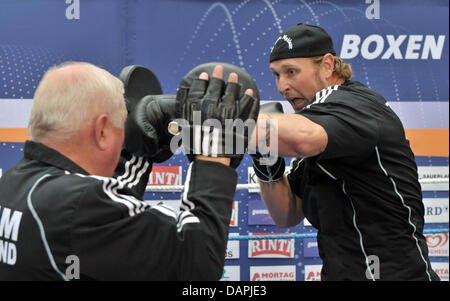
pixel 355 178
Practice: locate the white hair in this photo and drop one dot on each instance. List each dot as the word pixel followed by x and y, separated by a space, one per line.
pixel 71 95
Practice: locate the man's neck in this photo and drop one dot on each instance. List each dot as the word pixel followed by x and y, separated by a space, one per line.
pixel 335 80
pixel 78 152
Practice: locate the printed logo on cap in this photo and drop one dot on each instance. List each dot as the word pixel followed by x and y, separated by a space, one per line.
pixel 285 38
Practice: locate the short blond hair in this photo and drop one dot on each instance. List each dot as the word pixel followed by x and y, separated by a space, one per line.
pixel 68 97
pixel 341 68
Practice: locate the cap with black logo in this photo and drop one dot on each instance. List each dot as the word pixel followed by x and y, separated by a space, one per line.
pixel 302 40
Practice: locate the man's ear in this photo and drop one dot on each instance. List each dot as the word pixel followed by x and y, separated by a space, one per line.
pixel 101 131
pixel 328 64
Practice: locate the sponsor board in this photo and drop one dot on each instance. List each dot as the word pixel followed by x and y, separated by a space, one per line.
pixel 271 248
pixel 234 214
pixel 258 213
pixel 272 273
pixel 436 210
pixel 408 47
pixel 312 272
pixel 252 179
pixel 437 244
pixel 441 269
pixel 231 273
pixel 232 251
pixel 433 172
pixel 310 248
pixel 165 176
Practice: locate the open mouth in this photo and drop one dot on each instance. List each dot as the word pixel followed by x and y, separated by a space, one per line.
pixel 296 99
pixel 298 102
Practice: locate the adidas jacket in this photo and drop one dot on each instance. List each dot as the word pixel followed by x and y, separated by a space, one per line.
pixel 59 223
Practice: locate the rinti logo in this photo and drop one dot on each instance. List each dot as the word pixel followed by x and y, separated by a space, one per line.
pixel 271 248
pixel 165 175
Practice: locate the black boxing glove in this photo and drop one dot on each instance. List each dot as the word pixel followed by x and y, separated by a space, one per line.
pixel 146 128
pixel 207 111
pixel 138 81
pixel 266 168
pixel 244 80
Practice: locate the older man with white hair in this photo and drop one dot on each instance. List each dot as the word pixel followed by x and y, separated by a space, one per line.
pixel 63 215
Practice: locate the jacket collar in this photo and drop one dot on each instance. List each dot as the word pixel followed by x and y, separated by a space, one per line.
pixel 40 152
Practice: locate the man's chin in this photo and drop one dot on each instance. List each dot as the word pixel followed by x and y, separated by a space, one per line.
pixel 300 104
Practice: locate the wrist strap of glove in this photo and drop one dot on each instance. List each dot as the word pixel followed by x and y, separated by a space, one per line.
pixel 269 173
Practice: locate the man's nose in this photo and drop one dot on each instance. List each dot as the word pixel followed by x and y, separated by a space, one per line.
pixel 283 85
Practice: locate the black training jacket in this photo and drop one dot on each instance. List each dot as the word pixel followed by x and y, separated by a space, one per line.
pixel 362 192
pixel 59 223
